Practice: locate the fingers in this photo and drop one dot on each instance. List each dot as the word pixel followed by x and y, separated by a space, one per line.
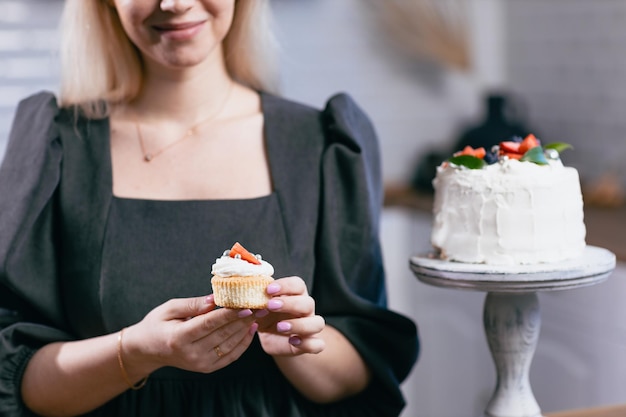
pixel 299 306
pixel 303 326
pixel 287 286
pixel 183 308
pixel 290 296
pixel 303 333
pixel 292 328
pixel 231 348
pixel 216 350
pixel 306 345
pixel 196 318
pixel 210 341
pixel 221 323
pixel 184 333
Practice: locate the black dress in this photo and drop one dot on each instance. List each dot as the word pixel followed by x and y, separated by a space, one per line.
pixel 78 262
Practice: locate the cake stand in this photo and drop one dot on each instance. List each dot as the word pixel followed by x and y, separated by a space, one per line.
pixel 511 315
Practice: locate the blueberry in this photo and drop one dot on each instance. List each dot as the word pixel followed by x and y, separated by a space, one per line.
pixel 491 157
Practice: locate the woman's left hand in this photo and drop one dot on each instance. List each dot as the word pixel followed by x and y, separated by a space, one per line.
pixel 289 325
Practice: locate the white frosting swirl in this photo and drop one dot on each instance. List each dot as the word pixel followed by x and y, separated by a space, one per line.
pixel 226 266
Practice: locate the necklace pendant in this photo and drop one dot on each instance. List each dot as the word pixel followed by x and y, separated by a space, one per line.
pixel 147 157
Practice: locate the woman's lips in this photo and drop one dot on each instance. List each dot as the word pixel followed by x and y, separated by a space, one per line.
pixel 179 31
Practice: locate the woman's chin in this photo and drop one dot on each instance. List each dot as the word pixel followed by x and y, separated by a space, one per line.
pixel 180 60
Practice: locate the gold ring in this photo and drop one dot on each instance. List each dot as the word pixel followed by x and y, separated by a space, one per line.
pixel 218 351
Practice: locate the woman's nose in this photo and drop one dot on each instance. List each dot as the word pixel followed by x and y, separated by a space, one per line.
pixel 176 6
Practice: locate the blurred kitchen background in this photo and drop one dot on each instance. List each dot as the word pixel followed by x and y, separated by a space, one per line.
pixel 427 72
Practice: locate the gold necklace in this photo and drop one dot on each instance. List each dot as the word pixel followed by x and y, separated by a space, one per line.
pixel 149 156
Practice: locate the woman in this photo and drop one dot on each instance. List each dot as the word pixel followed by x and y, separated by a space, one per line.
pixel 165 148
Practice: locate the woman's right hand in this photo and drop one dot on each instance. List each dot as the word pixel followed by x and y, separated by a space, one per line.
pixel 190 334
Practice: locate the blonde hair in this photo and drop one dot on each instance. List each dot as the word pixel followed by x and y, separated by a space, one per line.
pixel 100 66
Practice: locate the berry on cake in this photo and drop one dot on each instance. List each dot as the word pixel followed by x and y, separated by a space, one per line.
pixel 513 204
pixel 240 279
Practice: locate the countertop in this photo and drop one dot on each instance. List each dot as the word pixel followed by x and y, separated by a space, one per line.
pixel 606 226
pixel 611 411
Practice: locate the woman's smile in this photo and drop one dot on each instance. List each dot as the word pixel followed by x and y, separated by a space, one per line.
pixel 180 32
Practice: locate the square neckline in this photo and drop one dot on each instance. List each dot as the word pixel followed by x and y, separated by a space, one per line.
pixel 264 130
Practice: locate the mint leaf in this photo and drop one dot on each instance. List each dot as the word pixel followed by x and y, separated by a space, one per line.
pixel 467 161
pixel 558 146
pixel 535 155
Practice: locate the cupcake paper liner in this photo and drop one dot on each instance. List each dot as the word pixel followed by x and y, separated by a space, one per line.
pixel 240 291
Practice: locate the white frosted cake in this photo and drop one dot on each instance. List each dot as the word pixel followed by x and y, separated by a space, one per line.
pixel 522 208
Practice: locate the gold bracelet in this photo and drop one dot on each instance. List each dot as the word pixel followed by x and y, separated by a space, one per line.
pixel 139 384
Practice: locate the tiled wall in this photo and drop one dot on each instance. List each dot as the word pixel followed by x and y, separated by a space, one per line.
pixel 28 41
pixel 568 59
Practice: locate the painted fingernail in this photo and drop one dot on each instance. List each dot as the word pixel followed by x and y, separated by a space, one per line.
pixel 283 326
pixel 295 340
pixel 209 299
pixel 274 304
pixel 244 313
pixel 273 288
pixel 261 313
pixel 253 328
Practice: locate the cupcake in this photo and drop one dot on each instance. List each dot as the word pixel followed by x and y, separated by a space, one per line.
pixel 240 279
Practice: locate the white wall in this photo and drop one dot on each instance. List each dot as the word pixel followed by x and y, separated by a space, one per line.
pixel 334 45
pixel 28 41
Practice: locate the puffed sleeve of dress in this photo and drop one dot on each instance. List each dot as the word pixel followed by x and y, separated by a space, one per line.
pixel 348 250
pixel 30 310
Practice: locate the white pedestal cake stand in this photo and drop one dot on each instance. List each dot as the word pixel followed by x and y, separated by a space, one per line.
pixel 511 316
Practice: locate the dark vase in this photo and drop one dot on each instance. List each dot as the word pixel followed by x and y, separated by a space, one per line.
pixel 502 121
